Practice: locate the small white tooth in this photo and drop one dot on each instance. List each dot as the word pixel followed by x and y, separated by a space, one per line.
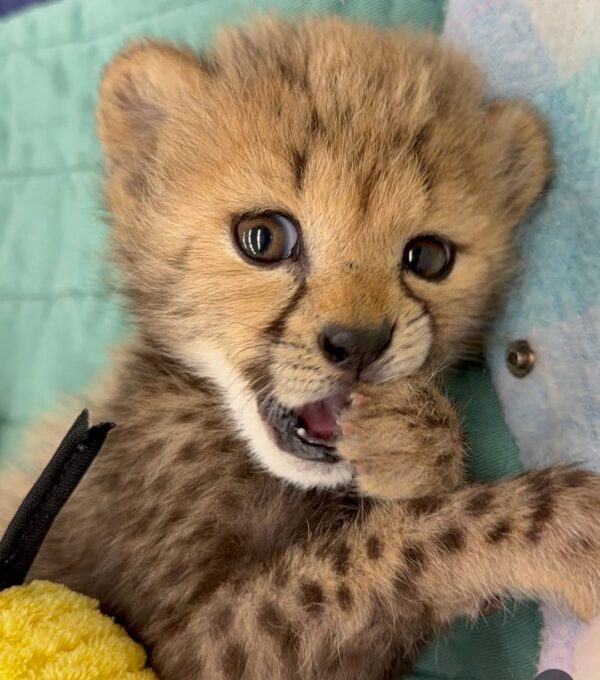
pixel 301 432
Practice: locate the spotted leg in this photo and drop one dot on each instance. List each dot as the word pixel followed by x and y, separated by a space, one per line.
pixel 356 603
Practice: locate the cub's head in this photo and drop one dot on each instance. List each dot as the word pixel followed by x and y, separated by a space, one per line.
pixel 310 206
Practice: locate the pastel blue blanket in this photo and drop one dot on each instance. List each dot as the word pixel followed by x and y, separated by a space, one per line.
pixel 548 51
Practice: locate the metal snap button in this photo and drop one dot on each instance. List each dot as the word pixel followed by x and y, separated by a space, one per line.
pixel 520 358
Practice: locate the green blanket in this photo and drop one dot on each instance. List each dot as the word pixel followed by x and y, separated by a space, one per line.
pixel 57 314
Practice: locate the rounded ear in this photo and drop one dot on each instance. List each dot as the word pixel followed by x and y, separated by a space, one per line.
pixel 138 88
pixel 520 154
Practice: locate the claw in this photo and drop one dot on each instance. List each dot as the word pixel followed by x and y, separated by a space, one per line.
pixel 347 428
pixel 357 399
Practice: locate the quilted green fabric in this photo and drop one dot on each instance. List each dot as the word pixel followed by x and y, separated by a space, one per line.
pixel 57 315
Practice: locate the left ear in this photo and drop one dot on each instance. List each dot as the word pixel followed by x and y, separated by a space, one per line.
pixel 139 88
pixel 520 154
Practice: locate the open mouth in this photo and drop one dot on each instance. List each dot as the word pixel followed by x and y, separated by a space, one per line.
pixel 309 431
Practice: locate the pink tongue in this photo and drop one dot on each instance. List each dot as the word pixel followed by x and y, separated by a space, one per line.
pixel 320 417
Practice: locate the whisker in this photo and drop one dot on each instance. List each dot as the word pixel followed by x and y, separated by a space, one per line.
pixel 289 343
pixel 249 348
pixel 301 367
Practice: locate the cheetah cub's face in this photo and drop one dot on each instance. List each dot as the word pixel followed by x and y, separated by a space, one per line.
pixel 311 206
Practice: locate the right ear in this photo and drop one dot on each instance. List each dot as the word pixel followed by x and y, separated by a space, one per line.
pixel 520 155
pixel 139 87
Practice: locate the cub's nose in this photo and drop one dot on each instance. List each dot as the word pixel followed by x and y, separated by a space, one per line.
pixel 354 348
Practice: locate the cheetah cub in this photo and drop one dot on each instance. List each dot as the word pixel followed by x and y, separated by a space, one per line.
pixel 311 220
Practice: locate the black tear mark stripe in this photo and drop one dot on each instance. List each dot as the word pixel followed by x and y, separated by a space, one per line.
pixel 426 311
pixel 275 329
pixel 411 294
pixel 416 318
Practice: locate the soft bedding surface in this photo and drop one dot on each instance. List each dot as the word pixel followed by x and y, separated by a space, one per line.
pixel 57 313
pixel 549 53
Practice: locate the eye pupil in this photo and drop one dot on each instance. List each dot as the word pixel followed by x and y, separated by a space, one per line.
pixel 257 240
pixel 429 257
pixel 266 238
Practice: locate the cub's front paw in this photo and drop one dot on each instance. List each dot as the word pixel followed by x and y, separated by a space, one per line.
pixel 561 520
pixel 403 438
pixel 577 513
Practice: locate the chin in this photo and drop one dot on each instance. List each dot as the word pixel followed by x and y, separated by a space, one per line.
pixel 297 444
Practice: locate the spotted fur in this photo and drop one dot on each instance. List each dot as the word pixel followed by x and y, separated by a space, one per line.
pixel 228 558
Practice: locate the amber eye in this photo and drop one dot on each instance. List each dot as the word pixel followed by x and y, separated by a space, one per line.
pixel 269 237
pixel 429 257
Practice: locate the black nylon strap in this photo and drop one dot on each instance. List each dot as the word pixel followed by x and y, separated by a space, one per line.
pixel 28 528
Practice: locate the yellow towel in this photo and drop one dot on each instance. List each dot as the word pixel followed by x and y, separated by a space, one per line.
pixel 48 632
